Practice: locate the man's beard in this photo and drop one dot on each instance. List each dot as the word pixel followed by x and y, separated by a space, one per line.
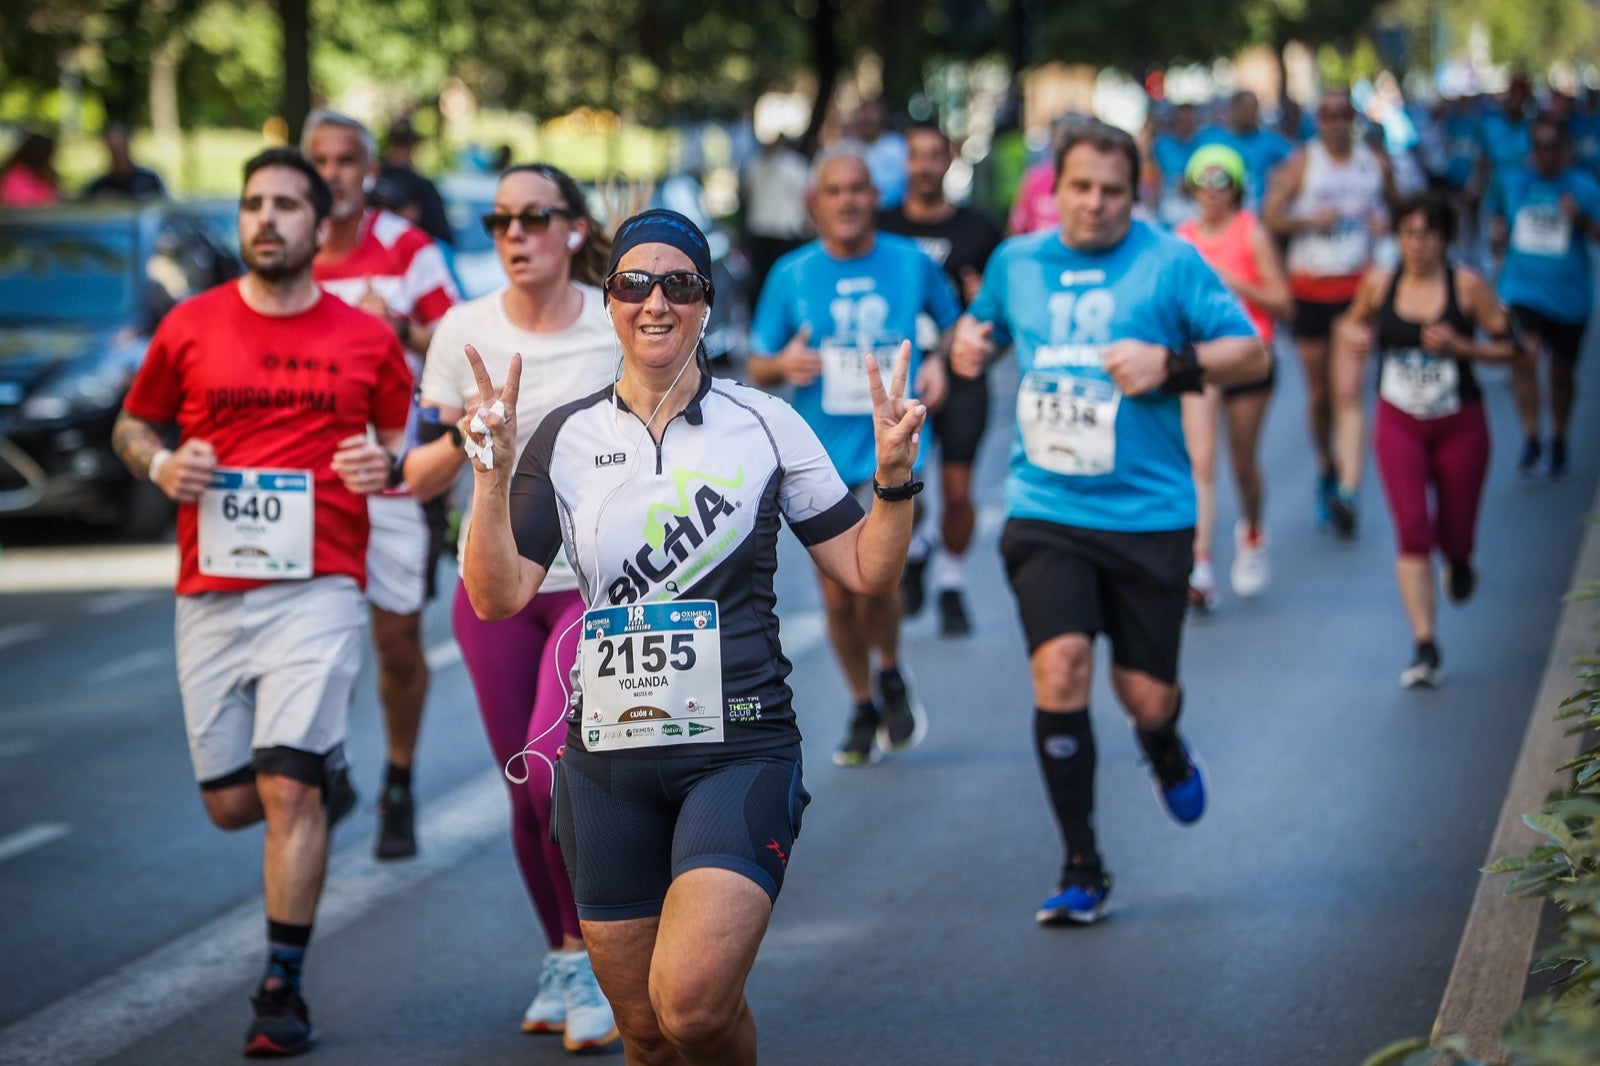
pixel 277 266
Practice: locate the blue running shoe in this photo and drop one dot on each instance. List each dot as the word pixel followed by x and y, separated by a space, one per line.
pixel 1327 489
pixel 1180 784
pixel 1080 899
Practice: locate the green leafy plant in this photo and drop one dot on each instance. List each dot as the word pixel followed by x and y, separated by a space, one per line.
pixel 1561 1027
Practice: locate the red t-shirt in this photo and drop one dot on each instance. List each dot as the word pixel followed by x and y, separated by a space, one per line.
pixel 274 393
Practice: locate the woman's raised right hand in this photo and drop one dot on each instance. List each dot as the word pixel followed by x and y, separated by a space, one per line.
pixel 491 420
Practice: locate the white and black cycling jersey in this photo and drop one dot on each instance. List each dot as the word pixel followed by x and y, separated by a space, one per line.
pixel 693 518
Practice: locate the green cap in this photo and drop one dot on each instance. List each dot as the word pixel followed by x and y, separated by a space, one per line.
pixel 1218 156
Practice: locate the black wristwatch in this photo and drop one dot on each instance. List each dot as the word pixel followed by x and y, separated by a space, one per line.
pixel 1183 371
pixel 453 431
pixel 895 493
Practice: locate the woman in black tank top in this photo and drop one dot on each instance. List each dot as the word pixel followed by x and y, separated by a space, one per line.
pixel 1431 438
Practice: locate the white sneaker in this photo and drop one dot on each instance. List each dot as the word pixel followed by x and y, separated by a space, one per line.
pixel 590 1024
pixel 1202 586
pixel 1252 566
pixel 548 1011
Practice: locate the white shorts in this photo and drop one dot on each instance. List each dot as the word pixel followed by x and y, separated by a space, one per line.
pixel 274 667
pixel 397 554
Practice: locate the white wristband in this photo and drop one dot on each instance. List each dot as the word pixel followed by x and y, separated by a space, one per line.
pixel 157 461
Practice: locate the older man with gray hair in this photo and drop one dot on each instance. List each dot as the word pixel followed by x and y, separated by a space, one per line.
pixel 377 261
pixel 826 305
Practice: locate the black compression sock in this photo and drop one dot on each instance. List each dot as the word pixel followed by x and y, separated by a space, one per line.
pixel 1162 740
pixel 286 952
pixel 1065 746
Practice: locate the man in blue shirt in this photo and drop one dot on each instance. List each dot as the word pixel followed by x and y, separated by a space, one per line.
pixel 1110 319
pixel 826 305
pixel 1261 149
pixel 1169 155
pixel 1540 215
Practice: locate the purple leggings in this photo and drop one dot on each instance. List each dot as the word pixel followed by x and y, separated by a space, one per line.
pixel 1449 453
pixel 520 670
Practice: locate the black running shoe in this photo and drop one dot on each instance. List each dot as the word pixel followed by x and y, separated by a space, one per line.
pixel 1558 460
pixel 1342 514
pixel 904 723
pixel 953 621
pixel 858 749
pixel 912 588
pixel 1461 582
pixel 1426 669
pixel 1529 461
pixel 338 796
pixel 282 1025
pixel 397 837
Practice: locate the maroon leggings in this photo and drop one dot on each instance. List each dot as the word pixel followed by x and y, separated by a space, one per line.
pixel 1451 454
pixel 521 669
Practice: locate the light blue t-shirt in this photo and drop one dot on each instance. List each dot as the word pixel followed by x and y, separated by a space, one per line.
pixel 1504 143
pixel 1547 263
pixel 1172 156
pixel 1059 307
pixel 869 303
pixel 1262 151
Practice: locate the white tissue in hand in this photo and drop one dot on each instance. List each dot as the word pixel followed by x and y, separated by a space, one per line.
pixel 484 452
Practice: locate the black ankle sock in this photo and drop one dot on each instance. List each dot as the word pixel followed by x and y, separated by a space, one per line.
pixel 890 680
pixel 1065 746
pixel 866 709
pixel 1162 740
pixel 286 952
pixel 397 775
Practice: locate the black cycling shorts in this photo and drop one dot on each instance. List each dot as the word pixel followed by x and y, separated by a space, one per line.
pixel 1562 340
pixel 1314 318
pixel 629 826
pixel 1134 587
pixel 959 424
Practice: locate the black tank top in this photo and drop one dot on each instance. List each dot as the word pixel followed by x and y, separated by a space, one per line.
pixel 1396 335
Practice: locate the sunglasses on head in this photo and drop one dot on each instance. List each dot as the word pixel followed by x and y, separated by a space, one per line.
pixel 533 219
pixel 679 287
pixel 1213 178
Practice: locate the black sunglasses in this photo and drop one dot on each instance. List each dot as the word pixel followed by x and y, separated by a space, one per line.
pixel 679 287
pixel 534 220
pixel 1213 178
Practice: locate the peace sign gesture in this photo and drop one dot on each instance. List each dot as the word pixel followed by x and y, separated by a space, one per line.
pixel 490 434
pixel 896 419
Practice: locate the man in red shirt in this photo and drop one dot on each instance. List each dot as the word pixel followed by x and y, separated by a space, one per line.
pixel 271 386
pixel 377 261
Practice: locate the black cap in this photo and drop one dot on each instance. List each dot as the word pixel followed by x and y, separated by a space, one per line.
pixel 402 132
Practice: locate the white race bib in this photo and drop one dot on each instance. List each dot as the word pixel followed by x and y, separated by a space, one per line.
pixel 1345 250
pixel 1423 386
pixel 845 389
pixel 1068 423
pixel 1541 229
pixel 257 524
pixel 652 675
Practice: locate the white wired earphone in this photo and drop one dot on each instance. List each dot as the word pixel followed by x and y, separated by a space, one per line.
pixel 635 445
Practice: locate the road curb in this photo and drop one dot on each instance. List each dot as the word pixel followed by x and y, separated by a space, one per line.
pixel 1490 974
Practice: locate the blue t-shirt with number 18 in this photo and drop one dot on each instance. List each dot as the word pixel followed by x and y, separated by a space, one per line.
pixel 853 306
pixel 1084 454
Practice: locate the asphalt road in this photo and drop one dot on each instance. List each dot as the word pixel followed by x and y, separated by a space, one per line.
pixel 1311 917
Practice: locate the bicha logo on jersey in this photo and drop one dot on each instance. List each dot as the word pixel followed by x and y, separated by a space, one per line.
pixel 681 538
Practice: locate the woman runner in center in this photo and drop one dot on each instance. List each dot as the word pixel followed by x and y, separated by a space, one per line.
pixel 679 793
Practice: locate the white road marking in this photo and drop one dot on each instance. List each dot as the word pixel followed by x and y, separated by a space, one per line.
pixel 35 836
pixel 114 602
pixel 144 566
pixel 443 654
pixel 132 663
pixel 152 992
pixel 21 633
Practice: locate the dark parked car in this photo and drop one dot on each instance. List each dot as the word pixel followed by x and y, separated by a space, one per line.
pixel 468 197
pixel 81 291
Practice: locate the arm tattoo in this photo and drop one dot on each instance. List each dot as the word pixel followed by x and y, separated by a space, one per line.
pixel 136 443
